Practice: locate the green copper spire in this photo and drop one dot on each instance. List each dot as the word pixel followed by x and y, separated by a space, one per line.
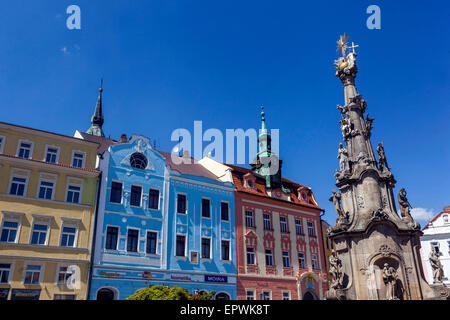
pixel 264 137
pixel 97 118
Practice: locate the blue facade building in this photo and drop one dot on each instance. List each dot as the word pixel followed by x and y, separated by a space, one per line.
pixel 161 221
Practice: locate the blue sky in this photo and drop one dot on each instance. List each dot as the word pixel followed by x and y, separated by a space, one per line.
pixel 167 63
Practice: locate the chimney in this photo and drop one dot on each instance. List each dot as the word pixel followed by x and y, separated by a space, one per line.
pixel 123 138
pixel 447 209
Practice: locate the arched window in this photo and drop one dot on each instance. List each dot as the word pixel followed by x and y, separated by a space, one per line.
pixel 105 294
pixel 138 161
pixel 222 296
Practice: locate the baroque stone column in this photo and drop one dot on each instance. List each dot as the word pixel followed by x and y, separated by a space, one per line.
pixel 369 234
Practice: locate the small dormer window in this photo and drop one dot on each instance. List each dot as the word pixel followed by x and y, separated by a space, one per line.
pixel 138 161
pixel 250 184
pixel 445 217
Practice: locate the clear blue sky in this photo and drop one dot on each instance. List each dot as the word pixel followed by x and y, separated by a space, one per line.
pixel 167 63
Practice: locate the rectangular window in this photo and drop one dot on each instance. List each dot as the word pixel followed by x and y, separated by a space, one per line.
pixel 181 203
pixel 2 143
pixel 249 219
pixel 112 234
pixel 73 194
pixel 283 225
pixel 298 227
pixel 301 261
pixel 135 198
pixel 51 155
pixel 63 275
pixel 181 240
pixel 78 160
pixel 265 295
pixel 153 199
pixel 224 211
pixel 314 261
pixel 9 231
pixel 250 255
pixel 225 250
pixel 206 208
pixel 311 231
pixel 267 222
pixel 250 294
pixel 116 192
pixel 151 242
pixel 68 235
pixel 5 270
pixel 18 185
pixel 132 240
pixel 39 234
pixel 32 274
pixel 269 257
pixel 24 150
pixel 286 259
pixel 46 190
pixel 286 295
pixel 206 248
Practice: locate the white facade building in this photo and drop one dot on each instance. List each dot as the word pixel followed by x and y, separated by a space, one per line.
pixel 437 233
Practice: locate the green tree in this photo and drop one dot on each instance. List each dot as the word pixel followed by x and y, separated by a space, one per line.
pixel 158 292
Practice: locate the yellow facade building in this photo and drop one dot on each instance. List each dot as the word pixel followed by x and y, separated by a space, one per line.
pixel 48 187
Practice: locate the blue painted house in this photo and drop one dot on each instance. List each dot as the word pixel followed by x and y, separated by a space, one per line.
pixel 201 247
pixel 162 221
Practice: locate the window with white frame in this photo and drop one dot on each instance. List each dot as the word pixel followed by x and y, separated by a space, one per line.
pixel 78 159
pixel 249 221
pixel 283 225
pixel 269 257
pixel 206 248
pixel 286 259
pixel 116 192
pixel 73 193
pixel 25 149
pixel 250 294
pixel 311 231
pixel 10 231
pixel 2 143
pixel 51 154
pixel 298 227
pixel 180 246
pixel 206 208
pixel 39 233
pixel 301 260
pixel 64 273
pixel 181 203
pixel 314 262
pixel 68 235
pixel 132 240
pixel 250 255
pixel 5 271
pixel 267 222
pixel 65 297
pixel 18 184
pixel 225 250
pixel 136 195
pixel 224 211
pixel 266 295
pixel 151 242
pixel 46 190
pixel 112 235
pixel 153 199
pixel 445 218
pixel 32 274
pixel 286 295
pixel 434 246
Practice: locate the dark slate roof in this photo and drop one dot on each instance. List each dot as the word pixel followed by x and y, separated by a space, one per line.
pixel 192 169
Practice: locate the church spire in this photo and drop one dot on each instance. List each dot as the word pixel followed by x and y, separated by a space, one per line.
pixel 97 119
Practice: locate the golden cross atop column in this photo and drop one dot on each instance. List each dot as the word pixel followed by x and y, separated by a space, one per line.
pixel 353 47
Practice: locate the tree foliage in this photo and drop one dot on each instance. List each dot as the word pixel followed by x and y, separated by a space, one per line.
pixel 158 292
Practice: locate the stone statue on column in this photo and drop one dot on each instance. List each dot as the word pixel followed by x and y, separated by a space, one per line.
pixel 343 159
pixel 436 266
pixel 382 162
pixel 405 211
pixel 336 271
pixel 342 217
pixel 390 280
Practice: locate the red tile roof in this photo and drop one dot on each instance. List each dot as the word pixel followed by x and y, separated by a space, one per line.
pixel 260 187
pixel 446 210
pixel 103 142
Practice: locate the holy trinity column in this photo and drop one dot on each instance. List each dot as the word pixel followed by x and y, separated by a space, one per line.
pixel 376 250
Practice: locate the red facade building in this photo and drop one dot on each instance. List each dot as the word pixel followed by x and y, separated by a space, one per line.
pixel 279 248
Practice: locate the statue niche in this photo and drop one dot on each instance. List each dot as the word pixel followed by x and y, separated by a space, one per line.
pixel 389 276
